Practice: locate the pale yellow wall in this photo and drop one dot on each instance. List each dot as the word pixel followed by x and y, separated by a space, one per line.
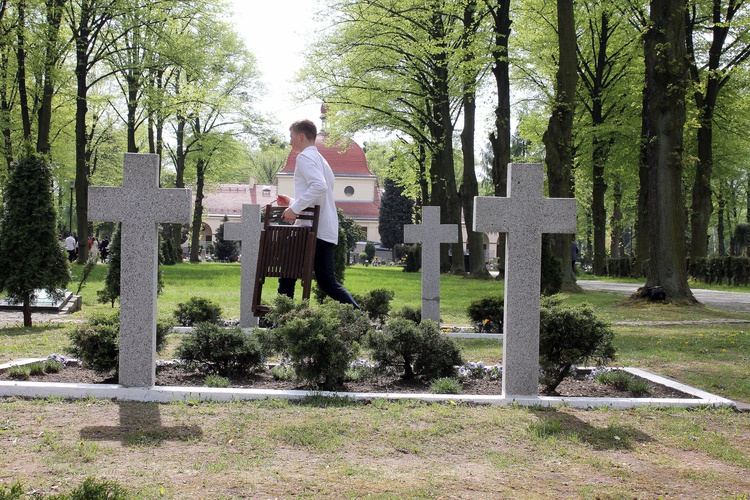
pixel 364 188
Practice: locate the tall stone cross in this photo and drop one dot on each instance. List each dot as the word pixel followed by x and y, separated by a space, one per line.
pixel 431 233
pixel 247 233
pixel 140 205
pixel 524 215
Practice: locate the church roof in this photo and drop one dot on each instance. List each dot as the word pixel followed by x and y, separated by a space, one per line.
pixel 229 198
pixel 344 159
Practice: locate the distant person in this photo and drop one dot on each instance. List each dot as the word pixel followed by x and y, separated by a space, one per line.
pixel 574 254
pixel 313 185
pixel 94 249
pixel 70 246
pixel 104 248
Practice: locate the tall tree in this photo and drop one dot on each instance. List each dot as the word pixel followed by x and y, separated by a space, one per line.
pixel 666 86
pixel 29 264
pixel 558 136
pixel 395 211
pixel 718 41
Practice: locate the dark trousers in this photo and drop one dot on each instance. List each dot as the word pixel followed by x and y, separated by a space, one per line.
pixel 324 276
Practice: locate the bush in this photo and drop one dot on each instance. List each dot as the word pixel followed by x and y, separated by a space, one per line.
pixel 445 385
pixel 19 372
pixel 411 313
pixel 36 368
pixel 220 350
pixel 97 343
pixel 376 303
pixel 320 341
pixel 362 257
pixel 370 250
pixel 197 310
pixel 486 314
pixel 418 349
pixel 552 270
pixel 413 259
pixel 570 335
pixel 216 381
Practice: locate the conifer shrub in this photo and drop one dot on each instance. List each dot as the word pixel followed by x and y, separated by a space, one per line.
pixel 320 341
pixel 224 351
pixel 413 314
pixel 486 314
pixel 376 303
pixel 97 343
pixel 413 259
pixel 416 349
pixel 570 335
pixel 197 310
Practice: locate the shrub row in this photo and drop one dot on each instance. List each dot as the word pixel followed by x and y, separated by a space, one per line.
pixel 721 270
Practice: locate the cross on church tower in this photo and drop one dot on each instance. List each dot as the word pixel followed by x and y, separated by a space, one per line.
pixel 140 205
pixel 431 233
pixel 524 215
pixel 247 233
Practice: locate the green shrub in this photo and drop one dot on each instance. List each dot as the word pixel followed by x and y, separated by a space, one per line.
pixel 319 341
pixel 486 314
pixel 624 381
pixel 413 314
pixel 362 257
pixel 570 335
pixel 552 270
pixel 376 303
pixel 283 371
pixel 52 366
pixel 19 372
pixel 220 350
pixel 197 310
pixel 15 492
pixel 413 259
pixel 370 250
pixel 418 349
pixel 36 368
pixel 216 381
pixel 445 385
pixel 97 343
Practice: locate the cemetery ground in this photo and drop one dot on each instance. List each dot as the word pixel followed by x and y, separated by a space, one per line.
pixel 337 448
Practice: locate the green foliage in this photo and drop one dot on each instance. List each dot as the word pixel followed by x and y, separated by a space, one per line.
pixel 413 314
pixel 15 492
pixel 445 385
pixel 167 252
pixel 486 314
pixel 721 270
pixel 226 251
pixel 320 341
pixel 90 489
pixel 417 349
pixel 111 290
pixel 283 371
pixel 362 257
pixel 19 372
pixel 395 212
pixel 36 368
pixel 52 366
pixel 741 238
pixel 624 381
pixel 376 303
pixel 220 350
pixel 197 310
pixel 570 335
pixel 370 250
pixel 552 274
pixel 216 381
pixel 31 257
pixel 413 259
pixel 97 343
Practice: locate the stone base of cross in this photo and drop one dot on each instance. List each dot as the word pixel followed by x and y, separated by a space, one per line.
pixel 139 205
pixel 431 233
pixel 247 233
pixel 524 215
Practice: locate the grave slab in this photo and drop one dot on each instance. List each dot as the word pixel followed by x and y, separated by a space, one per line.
pixel 431 233
pixel 139 205
pixel 524 215
pixel 247 233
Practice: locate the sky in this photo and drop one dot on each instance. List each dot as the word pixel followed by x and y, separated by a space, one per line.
pixel 274 32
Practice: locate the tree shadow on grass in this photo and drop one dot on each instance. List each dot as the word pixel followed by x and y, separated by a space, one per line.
pixel 554 424
pixel 140 424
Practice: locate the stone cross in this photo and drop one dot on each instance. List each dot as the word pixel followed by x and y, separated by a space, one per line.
pixel 140 205
pixel 247 233
pixel 524 215
pixel 431 233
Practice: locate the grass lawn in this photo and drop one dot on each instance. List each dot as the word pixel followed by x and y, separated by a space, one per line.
pixel 336 448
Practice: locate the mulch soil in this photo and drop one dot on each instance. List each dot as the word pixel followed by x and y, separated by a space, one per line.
pixel 579 386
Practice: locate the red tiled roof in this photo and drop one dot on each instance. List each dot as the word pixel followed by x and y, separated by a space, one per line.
pixel 229 198
pixel 359 209
pixel 346 159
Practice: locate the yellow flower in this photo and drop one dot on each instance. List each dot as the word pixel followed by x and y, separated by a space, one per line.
pixel 486 321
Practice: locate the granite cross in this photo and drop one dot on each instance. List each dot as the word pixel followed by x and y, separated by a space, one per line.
pixel 140 205
pixel 431 233
pixel 524 215
pixel 247 232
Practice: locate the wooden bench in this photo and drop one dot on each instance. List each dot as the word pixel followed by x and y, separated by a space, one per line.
pixel 285 251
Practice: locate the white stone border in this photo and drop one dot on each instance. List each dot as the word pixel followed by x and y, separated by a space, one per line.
pixel 166 394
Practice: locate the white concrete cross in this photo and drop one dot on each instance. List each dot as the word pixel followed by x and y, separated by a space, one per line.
pixel 247 233
pixel 140 205
pixel 524 215
pixel 431 233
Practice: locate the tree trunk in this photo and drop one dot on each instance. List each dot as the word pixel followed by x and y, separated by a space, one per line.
pixel 666 81
pixel 616 247
pixel 598 208
pixel 27 310
pixel 558 136
pixel 5 110
pixel 197 212
pixel 21 72
pixel 51 58
pixel 642 224
pixel 721 202
pixel 82 168
pixel 500 137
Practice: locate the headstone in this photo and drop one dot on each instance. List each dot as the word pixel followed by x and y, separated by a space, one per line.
pixel 524 215
pixel 140 205
pixel 247 233
pixel 431 233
